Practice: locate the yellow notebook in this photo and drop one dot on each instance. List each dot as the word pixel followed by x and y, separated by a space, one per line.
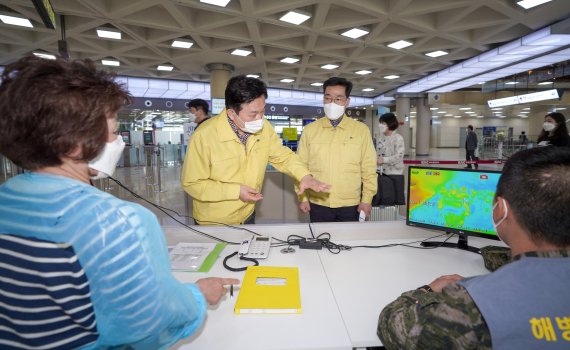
pixel 269 290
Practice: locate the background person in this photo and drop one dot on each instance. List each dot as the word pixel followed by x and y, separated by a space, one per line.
pixel 63 139
pixel 198 109
pixel 522 305
pixel 554 131
pixel 470 147
pixel 338 150
pixel 391 147
pixel 225 164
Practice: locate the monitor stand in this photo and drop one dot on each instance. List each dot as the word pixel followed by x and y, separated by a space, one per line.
pixel 461 244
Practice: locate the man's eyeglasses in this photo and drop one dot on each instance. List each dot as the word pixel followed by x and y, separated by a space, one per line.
pixel 338 100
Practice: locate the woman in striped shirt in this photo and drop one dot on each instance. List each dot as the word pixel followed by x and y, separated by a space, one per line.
pixel 58 122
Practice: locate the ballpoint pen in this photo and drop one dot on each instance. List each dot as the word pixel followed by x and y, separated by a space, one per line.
pixel 231 291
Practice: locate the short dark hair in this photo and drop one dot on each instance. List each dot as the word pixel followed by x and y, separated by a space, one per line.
pixel 390 120
pixel 198 103
pixel 49 107
pixel 536 184
pixel 470 127
pixel 561 130
pixel 336 81
pixel 241 89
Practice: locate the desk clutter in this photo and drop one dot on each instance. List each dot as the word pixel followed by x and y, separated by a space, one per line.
pixel 194 257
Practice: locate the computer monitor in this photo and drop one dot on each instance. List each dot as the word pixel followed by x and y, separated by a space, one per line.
pixel 456 201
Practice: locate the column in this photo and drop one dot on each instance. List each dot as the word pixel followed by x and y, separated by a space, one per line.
pixel 219 75
pixel 423 117
pixel 403 114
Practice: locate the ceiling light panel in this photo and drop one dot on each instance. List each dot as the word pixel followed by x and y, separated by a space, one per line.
pixel 355 33
pixel 221 3
pixel 527 4
pixel 165 68
pixel 241 52
pixel 329 66
pixel 109 33
pixel 390 77
pixel 252 76
pixel 438 53
pixel 44 55
pixel 398 45
pixel 316 84
pixel 295 17
pixel 16 21
pixel 289 60
pixel 182 44
pixel 363 72
pixel 110 62
pixel 287 80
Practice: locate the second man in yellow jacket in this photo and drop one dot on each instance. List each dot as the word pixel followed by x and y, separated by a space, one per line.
pixel 339 151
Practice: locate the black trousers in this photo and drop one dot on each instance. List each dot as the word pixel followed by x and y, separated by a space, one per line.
pixel 321 213
pixel 470 156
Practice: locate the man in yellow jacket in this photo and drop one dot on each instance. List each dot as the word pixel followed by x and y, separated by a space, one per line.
pixel 339 151
pixel 227 156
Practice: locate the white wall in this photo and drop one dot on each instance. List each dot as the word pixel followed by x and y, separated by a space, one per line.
pixel 446 134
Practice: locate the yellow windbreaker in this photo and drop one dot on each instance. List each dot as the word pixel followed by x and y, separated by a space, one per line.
pixel 343 157
pixel 217 163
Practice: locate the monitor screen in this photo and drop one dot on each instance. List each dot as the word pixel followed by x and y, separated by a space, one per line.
pixel 452 200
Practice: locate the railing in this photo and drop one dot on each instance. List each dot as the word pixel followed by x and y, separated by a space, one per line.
pixel 502 148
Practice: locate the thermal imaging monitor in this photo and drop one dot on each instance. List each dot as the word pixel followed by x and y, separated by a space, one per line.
pixel 456 201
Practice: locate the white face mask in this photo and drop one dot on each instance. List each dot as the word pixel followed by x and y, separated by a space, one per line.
pixel 496 225
pixel 383 128
pixel 192 117
pixel 333 111
pixel 548 126
pixel 252 127
pixel 106 161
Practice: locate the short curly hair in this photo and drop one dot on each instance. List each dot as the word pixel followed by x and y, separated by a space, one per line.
pixel 49 108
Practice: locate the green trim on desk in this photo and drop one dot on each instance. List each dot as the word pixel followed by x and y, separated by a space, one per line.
pixel 211 258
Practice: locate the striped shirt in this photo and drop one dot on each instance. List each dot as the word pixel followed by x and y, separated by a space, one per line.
pixel 44 296
pixel 122 250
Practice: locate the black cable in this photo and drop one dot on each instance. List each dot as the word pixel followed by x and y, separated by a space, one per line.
pixel 237 269
pixel 164 209
pixel 170 216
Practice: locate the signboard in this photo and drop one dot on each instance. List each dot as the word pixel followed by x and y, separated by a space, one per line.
pixel 148 138
pixel 46 12
pixel 218 105
pixel 289 134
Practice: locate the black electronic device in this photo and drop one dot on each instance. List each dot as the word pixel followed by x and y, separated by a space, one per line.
pixel 457 201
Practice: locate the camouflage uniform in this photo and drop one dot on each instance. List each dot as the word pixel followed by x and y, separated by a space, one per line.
pixel 446 320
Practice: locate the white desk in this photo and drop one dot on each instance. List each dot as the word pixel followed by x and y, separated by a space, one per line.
pixel 319 326
pixel 341 294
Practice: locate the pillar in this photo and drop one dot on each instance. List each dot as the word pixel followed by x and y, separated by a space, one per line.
pixel 219 75
pixel 423 127
pixel 403 113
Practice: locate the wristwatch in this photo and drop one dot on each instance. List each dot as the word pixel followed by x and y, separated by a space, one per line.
pixel 425 288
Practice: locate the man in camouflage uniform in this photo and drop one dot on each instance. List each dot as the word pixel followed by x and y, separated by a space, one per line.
pixel 522 305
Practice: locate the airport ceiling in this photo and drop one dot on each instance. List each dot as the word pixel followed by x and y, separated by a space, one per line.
pixel 464 28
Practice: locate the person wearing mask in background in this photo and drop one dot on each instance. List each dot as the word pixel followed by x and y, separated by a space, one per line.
pixel 339 151
pixel 128 297
pixel 470 147
pixel 227 157
pixel 522 305
pixel 198 111
pixel 391 147
pixel 554 131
